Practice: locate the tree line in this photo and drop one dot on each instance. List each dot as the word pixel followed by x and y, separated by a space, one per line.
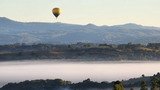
pixel 90 51
pixel 58 84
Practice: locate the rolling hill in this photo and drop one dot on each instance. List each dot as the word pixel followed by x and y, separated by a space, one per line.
pixel 61 33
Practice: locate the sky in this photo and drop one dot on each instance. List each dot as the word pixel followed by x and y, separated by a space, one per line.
pixel 99 12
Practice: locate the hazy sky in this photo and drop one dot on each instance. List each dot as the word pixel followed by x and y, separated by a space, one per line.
pixel 100 12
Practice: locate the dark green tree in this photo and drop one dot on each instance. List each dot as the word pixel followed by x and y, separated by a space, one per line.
pixel 143 85
pixel 155 82
pixel 118 86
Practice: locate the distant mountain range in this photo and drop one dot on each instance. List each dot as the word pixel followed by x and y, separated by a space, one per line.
pixel 61 33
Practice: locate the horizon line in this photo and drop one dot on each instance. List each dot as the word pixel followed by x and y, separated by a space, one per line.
pixel 133 23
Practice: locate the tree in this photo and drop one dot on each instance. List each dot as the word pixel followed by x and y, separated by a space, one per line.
pixel 155 82
pixel 143 75
pixel 154 85
pixel 143 85
pixel 118 86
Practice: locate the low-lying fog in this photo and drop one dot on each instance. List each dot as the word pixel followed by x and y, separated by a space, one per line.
pixel 74 71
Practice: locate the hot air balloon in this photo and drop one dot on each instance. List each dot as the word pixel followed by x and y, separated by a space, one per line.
pixel 56 12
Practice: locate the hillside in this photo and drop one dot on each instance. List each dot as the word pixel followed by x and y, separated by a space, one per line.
pixel 60 33
pixel 58 84
pixel 82 51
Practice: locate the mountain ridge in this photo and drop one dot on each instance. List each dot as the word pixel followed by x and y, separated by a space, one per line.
pixel 62 33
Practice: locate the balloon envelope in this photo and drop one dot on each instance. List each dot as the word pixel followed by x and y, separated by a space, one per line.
pixel 56 12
